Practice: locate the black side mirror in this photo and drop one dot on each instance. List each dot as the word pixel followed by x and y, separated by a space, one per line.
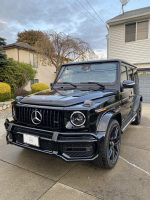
pixel 128 84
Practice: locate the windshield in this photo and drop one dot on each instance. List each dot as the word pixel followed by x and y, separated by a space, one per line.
pixel 83 73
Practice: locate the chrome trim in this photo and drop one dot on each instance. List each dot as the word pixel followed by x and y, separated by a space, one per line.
pixel 36 117
pixel 84 120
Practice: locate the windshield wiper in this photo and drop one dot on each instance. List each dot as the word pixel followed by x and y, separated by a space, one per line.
pixel 56 90
pixel 65 83
pixel 96 83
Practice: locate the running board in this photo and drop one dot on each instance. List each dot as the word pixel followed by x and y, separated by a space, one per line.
pixel 130 121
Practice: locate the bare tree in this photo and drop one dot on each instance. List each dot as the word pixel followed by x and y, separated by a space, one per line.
pixel 60 48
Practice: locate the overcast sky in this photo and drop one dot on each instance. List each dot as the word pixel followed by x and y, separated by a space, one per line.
pixel 73 17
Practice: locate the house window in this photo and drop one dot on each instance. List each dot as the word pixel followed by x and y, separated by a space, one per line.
pixel 130 32
pixel 34 81
pixel 142 30
pixel 136 31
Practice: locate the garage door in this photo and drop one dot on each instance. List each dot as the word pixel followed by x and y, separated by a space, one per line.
pixel 144 80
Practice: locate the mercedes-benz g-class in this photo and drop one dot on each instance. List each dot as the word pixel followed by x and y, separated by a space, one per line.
pixel 82 116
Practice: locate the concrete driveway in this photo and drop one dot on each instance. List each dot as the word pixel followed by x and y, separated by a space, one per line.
pixel 29 175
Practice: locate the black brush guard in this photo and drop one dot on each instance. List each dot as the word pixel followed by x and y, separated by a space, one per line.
pixel 69 146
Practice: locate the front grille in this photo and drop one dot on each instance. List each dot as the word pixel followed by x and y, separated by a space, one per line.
pixel 51 119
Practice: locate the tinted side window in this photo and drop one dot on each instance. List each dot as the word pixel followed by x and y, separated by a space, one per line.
pixel 123 73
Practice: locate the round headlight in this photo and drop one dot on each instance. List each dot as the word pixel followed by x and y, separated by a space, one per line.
pixel 77 118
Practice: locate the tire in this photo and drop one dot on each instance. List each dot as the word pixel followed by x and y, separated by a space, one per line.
pixel 109 149
pixel 137 120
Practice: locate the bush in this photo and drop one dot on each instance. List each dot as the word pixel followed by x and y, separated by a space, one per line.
pixel 36 87
pixel 5 91
pixel 16 74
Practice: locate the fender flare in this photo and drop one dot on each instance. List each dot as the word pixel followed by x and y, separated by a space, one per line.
pixel 104 121
pixel 137 101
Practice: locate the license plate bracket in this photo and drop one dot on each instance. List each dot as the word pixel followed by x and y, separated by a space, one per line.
pixel 31 139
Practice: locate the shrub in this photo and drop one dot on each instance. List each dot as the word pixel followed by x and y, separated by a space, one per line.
pixel 16 74
pixel 36 87
pixel 5 91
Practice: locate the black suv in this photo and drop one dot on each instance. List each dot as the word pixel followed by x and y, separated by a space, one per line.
pixel 83 116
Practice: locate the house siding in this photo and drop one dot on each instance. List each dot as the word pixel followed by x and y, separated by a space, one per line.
pixel 45 72
pixel 136 52
pixel 12 53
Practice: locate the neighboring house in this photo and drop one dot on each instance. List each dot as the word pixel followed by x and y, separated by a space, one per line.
pixel 23 52
pixel 129 39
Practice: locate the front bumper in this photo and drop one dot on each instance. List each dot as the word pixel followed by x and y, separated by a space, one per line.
pixel 69 146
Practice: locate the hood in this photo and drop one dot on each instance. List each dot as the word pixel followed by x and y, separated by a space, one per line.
pixel 64 98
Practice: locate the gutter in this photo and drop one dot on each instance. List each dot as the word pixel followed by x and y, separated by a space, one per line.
pixel 128 19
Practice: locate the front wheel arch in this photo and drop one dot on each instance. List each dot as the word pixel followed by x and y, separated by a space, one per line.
pixel 105 120
pixel 137 101
pixel 118 117
pixel 137 120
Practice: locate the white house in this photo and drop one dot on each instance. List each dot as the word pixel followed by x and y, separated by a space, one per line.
pixel 129 39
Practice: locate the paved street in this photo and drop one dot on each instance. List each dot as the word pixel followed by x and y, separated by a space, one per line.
pixel 29 175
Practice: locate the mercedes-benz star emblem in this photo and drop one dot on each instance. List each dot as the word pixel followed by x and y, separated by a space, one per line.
pixel 36 117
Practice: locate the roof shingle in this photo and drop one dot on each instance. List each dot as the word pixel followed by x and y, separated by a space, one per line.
pixel 127 16
pixel 20 45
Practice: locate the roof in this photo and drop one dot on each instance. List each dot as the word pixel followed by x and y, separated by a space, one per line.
pixel 132 15
pixel 99 61
pixel 20 45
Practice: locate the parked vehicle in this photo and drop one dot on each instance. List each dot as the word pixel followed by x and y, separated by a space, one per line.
pixel 82 118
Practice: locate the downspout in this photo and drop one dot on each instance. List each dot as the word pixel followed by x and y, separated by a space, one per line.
pixel 107 38
pixel 18 54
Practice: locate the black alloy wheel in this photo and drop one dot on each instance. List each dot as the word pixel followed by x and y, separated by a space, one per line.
pixel 114 144
pixel 109 149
